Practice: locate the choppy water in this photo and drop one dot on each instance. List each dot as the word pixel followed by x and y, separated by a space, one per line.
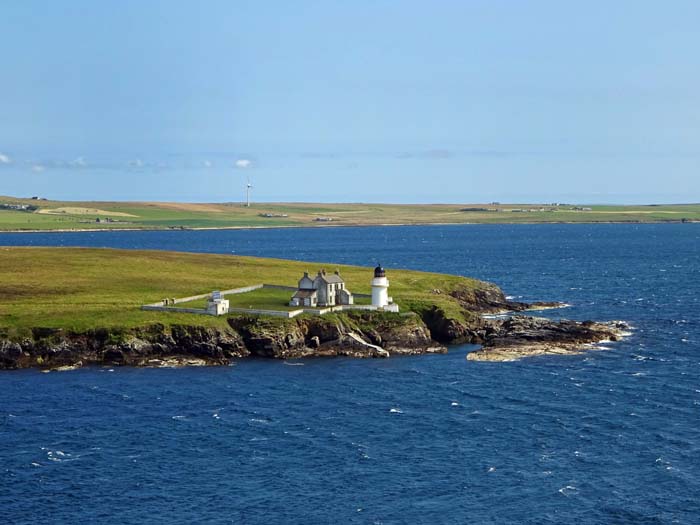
pixel 605 437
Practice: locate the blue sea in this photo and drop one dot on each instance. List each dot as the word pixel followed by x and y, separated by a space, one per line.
pixel 610 436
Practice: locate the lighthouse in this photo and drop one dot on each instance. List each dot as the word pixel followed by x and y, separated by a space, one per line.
pixel 380 288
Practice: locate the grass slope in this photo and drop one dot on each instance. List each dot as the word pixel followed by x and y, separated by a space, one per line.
pixel 56 215
pixel 84 288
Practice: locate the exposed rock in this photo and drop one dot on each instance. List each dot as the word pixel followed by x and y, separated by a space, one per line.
pixel 268 337
pixel 175 362
pixel 365 349
pixel 355 334
pixel 490 299
pixel 175 346
pixel 542 305
pixel 410 337
pixel 11 355
pixel 209 343
pixel 522 336
pixel 445 329
pixel 64 368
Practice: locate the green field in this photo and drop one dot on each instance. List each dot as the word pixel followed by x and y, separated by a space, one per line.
pixel 63 215
pixel 79 289
pixel 263 299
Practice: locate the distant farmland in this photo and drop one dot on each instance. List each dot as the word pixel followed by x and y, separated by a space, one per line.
pixel 17 214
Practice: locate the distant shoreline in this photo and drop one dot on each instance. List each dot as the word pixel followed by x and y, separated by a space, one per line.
pixel 19 215
pixel 378 225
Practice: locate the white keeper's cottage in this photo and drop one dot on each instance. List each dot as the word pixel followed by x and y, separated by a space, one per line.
pixel 323 290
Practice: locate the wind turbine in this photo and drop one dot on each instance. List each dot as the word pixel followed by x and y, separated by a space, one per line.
pixel 248 187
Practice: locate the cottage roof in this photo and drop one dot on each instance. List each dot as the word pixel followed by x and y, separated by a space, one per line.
pixel 303 294
pixel 330 277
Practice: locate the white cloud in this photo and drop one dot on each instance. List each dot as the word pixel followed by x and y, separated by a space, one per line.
pixel 138 163
pixel 244 163
pixel 79 162
pixel 38 168
pixel 207 164
pixel 4 159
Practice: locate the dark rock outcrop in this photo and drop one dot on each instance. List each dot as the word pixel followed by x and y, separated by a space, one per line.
pixel 12 355
pixel 490 299
pixel 355 334
pixel 155 345
pixel 446 329
pixel 522 336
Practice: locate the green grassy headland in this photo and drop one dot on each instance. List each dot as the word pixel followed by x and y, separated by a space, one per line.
pixel 80 289
pixel 68 215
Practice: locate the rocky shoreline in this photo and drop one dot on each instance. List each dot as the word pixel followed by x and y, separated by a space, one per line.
pixel 352 334
pixel 361 336
pixel 523 336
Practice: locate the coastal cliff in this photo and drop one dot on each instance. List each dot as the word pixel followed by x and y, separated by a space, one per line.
pixel 352 334
pixel 367 334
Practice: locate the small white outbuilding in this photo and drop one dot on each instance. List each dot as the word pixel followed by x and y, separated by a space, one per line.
pixel 217 305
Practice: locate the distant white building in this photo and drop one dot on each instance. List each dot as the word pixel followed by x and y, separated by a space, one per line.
pixel 217 305
pixel 323 290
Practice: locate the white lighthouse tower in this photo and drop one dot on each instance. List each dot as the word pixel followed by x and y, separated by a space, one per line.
pixel 380 288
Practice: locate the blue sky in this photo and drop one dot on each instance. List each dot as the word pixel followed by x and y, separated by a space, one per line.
pixel 384 100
